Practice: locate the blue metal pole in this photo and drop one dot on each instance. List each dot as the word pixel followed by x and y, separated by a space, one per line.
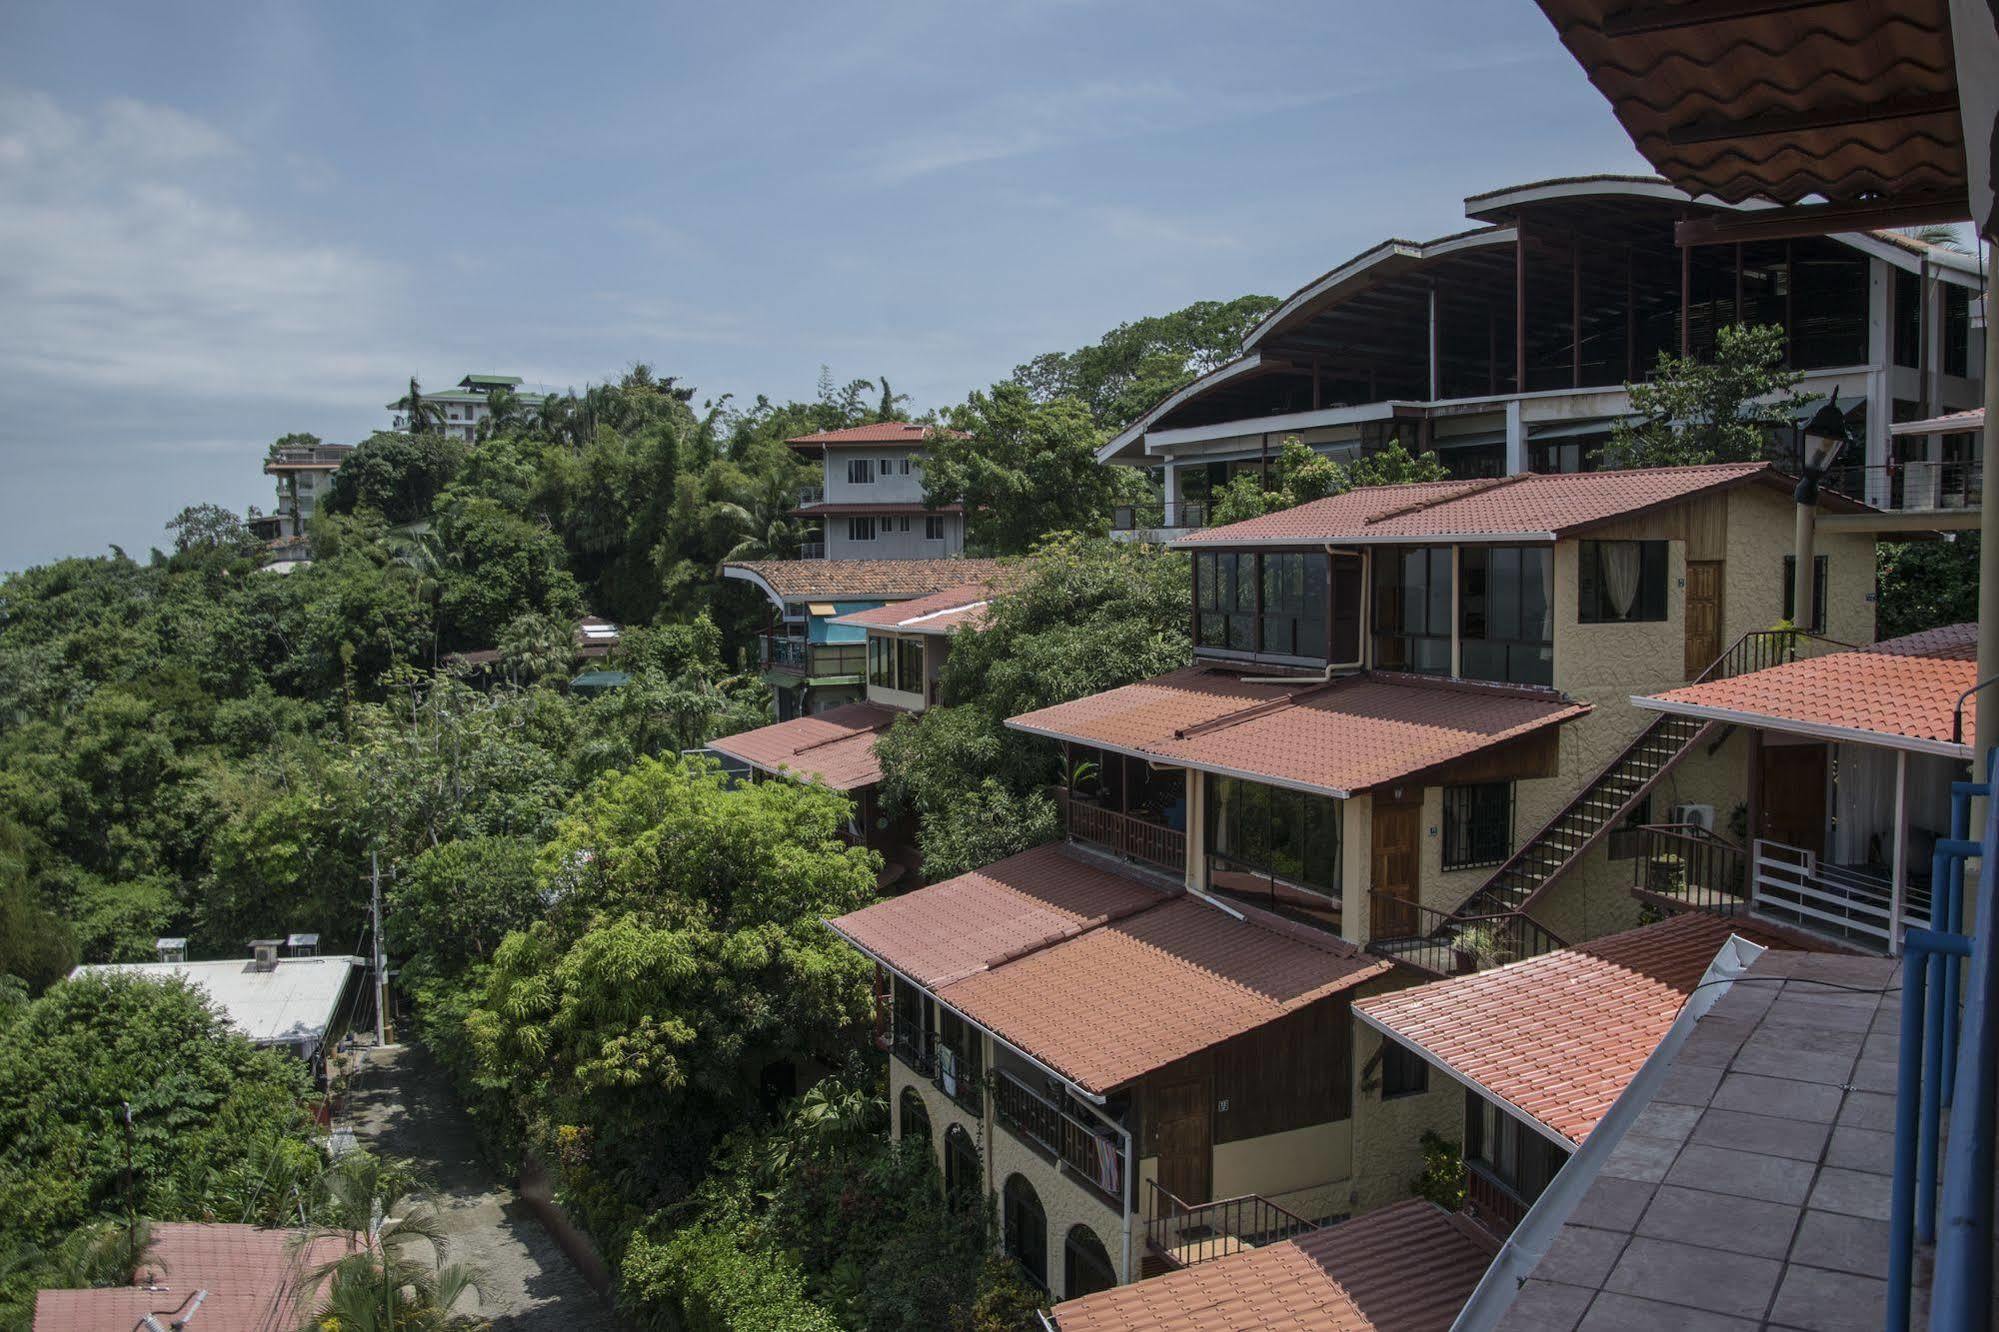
pixel 1947 917
pixel 1954 922
pixel 1908 1092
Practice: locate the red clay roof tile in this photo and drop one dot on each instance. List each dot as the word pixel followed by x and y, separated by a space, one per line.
pixel 949 930
pixel 835 747
pixel 1559 1036
pixel 1141 991
pixel 1354 733
pixel 1904 688
pixel 251 1275
pixel 1405 1268
pixel 941 612
pixel 874 432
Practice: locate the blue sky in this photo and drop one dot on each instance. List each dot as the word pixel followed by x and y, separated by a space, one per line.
pixel 219 222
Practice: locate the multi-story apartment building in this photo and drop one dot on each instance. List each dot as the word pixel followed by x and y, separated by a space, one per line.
pixel 869 502
pixel 1405 749
pixel 303 474
pixel 463 408
pixel 814 658
pixel 1507 348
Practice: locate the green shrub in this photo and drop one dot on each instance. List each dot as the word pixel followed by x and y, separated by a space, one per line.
pixel 701 1279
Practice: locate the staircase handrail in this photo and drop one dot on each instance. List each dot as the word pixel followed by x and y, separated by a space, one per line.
pixel 1750 647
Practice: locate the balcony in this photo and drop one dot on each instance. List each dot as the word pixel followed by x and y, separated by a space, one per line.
pixel 955 1072
pixel 1491 1201
pixel 324 456
pixel 1451 945
pixel 791 654
pixel 1912 487
pixel 1126 836
pixel 910 1043
pixel 1165 517
pixel 812 550
pixel 1187 1233
pixel 1090 1153
pixel 810 495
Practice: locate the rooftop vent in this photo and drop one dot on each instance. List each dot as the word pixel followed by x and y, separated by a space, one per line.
pixel 264 954
pixel 171 950
pixel 302 945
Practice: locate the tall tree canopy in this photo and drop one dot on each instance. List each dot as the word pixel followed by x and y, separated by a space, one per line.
pixel 1715 410
pixel 1136 364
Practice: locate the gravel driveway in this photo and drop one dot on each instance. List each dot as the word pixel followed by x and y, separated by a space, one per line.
pixel 401 1104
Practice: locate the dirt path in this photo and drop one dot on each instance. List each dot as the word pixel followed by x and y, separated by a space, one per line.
pixel 401 1105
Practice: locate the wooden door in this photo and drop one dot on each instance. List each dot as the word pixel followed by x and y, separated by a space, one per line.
pixel 1703 615
pixel 1791 795
pixel 1392 910
pixel 1184 1138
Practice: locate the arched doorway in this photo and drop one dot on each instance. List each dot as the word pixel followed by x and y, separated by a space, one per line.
pixel 914 1119
pixel 962 1183
pixel 1086 1267
pixel 1025 1228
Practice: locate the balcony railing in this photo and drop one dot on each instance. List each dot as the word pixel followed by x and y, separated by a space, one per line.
pixel 1127 836
pixel 812 550
pixel 788 652
pixel 957 1075
pixel 1448 945
pixel 1686 865
pixel 913 1045
pixel 808 495
pixel 1149 517
pixel 1092 1154
pixel 1492 1201
pixel 324 455
pixel 1847 902
pixel 1760 649
pixel 1912 487
pixel 1188 1233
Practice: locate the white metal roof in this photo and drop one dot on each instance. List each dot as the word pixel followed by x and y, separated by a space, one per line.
pixel 293 1002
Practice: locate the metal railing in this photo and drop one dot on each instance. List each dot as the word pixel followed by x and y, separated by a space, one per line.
pixel 1126 835
pixel 955 1073
pixel 1168 513
pixel 322 455
pixel 912 1044
pixel 1947 1059
pixel 1689 866
pixel 812 550
pixel 1093 1156
pixel 1792 884
pixel 1447 945
pixel 811 495
pixel 788 652
pixel 1919 486
pixel 1760 649
pixel 1189 1233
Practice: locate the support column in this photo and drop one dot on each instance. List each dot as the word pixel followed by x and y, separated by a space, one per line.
pixel 1900 893
pixel 1575 311
pixel 1170 490
pixel 1435 377
pixel 1520 306
pixel 1987 724
pixel 1197 831
pixel 1516 440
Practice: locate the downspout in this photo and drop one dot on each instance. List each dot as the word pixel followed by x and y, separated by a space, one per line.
pixel 1326 675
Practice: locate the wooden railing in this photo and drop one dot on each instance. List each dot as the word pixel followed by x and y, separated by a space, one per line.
pixel 1127 836
pixel 1491 1201
pixel 1689 866
pixel 1188 1233
pixel 1091 1155
pixel 1447 945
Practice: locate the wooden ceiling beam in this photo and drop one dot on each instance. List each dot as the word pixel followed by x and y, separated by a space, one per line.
pixel 1794 122
pixel 1801 220
pixel 1646 18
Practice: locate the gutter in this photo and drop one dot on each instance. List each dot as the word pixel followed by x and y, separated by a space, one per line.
pixel 1529 1243
pixel 1817 730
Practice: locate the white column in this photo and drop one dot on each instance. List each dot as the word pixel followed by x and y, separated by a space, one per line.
pixel 1516 439
pixel 1435 377
pixel 1901 890
pixel 1170 488
pixel 1880 378
pixel 1986 727
pixel 1197 830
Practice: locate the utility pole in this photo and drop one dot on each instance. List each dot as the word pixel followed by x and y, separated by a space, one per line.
pixel 131 1189
pixel 381 977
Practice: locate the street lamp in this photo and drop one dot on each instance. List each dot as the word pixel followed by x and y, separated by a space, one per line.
pixel 1825 436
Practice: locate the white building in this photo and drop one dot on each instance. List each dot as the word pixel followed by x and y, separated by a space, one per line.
pixel 869 503
pixel 304 474
pixel 1506 348
pixel 465 406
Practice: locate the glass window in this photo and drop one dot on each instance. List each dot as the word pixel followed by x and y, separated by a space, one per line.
pixel 1024 1229
pixel 933 528
pixel 1291 588
pixel 1908 318
pixel 909 665
pixel 1820 567
pixel 1086 1266
pixel 860 471
pixel 1620 582
pixel 1506 1150
pixel 1478 824
pixel 962 1186
pixel 1956 330
pixel 1278 847
pixel 860 529
pixel 1403 1072
pixel 1506 615
pixel 881 661
pixel 1412 609
pixel 915 1120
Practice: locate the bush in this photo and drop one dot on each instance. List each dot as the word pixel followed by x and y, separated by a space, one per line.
pixel 1443 1177
pixel 702 1280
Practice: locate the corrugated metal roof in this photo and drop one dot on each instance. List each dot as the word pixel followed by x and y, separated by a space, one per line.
pixel 292 1003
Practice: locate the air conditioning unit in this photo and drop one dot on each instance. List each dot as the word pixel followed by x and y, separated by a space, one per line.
pixel 1699 816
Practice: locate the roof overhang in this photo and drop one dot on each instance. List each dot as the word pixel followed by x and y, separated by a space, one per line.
pixel 1262 779
pixel 1348 539
pixel 1135 432
pixel 1444 1066
pixel 1364 267
pixel 1815 730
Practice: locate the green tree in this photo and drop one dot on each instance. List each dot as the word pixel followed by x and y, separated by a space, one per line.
pixel 1136 364
pixel 210 528
pixel 1927 584
pixel 1717 410
pixel 1301 474
pixel 398 1280
pixel 396 475
pixel 1023 470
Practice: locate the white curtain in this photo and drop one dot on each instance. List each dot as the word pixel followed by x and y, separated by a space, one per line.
pixel 1620 575
pixel 1863 829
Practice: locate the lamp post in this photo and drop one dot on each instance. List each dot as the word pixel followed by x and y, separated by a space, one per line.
pixel 1825 436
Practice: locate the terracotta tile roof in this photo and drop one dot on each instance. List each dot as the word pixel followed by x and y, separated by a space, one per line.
pixel 835 747
pixel 1355 733
pixel 949 930
pixel 251 1275
pixel 939 613
pixel 838 580
pixel 875 432
pixel 1405 1268
pixel 1524 506
pixel 1143 990
pixel 1906 688
pixel 1559 1036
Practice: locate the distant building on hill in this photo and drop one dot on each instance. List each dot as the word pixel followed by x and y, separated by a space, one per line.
pixel 869 502
pixel 465 406
pixel 304 474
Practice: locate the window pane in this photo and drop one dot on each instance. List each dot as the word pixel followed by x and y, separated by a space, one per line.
pixel 1503 612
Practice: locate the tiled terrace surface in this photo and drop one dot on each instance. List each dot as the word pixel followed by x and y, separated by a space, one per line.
pixel 1753 1190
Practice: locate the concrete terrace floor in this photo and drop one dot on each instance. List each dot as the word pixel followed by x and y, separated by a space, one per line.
pixel 401 1104
pixel 1753 1191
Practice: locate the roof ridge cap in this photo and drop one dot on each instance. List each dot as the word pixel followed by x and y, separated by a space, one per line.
pixel 1257 709
pixel 1432 501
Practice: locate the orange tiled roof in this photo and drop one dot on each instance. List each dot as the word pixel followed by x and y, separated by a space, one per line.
pixel 1527 506
pixel 1906 688
pixel 835 747
pixel 857 580
pixel 1405 1268
pixel 875 432
pixel 949 930
pixel 1559 1036
pixel 1354 733
pixel 1143 990
pixel 939 613
pixel 252 1277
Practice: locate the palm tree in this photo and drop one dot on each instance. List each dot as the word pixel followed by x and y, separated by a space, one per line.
pixel 421 417
pixel 394 1277
pixel 1942 234
pixel 764 518
pixel 504 412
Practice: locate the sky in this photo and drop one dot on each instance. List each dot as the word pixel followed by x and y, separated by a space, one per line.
pixel 220 223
